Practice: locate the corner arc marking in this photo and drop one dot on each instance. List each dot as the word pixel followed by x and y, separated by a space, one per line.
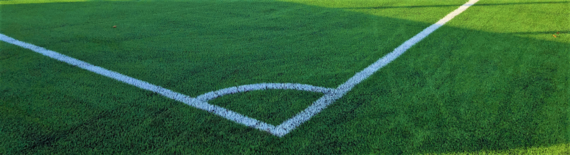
pixel 262 86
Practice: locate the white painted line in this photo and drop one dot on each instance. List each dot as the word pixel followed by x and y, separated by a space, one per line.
pixel 262 86
pixel 330 94
pixel 328 99
pixel 228 114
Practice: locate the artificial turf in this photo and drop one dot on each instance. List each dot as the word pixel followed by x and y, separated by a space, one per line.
pixel 492 80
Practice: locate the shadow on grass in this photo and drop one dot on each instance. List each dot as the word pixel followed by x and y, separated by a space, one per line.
pixel 478 102
pixel 478 4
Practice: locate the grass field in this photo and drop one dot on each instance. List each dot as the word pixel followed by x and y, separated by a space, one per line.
pixel 493 80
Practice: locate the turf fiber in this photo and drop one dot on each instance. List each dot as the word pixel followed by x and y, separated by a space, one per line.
pixel 492 80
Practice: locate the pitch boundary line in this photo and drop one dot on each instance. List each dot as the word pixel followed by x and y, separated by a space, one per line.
pixel 230 115
pixel 201 101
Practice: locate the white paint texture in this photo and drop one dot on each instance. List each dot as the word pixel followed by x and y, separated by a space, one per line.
pixel 262 86
pixel 330 95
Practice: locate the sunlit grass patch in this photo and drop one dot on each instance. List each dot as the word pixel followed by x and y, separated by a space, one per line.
pixel 554 149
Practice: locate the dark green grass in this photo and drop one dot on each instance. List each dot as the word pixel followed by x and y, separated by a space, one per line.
pixel 194 47
pixel 197 47
pixel 261 104
pixel 486 82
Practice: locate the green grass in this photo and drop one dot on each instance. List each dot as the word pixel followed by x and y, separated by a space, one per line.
pixel 492 80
